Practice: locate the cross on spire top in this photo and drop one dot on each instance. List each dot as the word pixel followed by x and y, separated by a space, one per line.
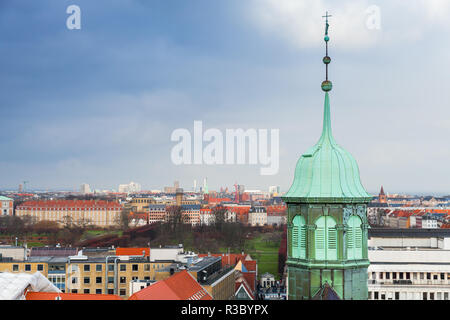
pixel 327 25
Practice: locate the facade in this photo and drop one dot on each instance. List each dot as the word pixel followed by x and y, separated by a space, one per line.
pixel 257 216
pixel 13 252
pixel 191 214
pixel 156 213
pixel 132 187
pixel 109 275
pixel 327 222
pixel 276 219
pixel 6 206
pixel 409 264
pixel 91 212
pixel 207 217
pixel 85 188
pixel 429 223
pixel 267 280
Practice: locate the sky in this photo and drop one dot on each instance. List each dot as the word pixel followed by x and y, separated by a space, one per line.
pixel 98 105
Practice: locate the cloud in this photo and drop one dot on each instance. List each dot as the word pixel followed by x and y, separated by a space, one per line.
pixel 355 24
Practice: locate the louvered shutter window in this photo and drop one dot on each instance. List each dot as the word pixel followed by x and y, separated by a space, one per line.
pixel 326 239
pixel 298 238
pixel 354 238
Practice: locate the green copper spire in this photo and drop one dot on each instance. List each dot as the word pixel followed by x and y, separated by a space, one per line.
pixel 327 172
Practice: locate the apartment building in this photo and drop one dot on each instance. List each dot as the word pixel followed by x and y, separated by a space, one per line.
pixel 409 264
pixel 87 212
pixel 109 275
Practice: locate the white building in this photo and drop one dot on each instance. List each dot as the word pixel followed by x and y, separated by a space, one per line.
pixel 257 216
pixel 429 223
pixel 207 217
pixel 85 188
pixel 132 187
pixel 410 265
pixel 230 216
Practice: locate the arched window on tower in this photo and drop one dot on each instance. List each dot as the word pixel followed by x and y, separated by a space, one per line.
pixel 354 238
pixel 326 239
pixel 298 238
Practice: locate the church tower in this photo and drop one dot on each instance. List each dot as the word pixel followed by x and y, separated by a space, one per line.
pixel 382 196
pixel 327 221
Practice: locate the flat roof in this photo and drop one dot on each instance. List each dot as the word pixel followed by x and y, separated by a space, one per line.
pixel 408 233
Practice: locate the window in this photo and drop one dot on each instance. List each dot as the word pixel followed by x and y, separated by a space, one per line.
pixel 428 276
pixel 381 275
pixel 123 267
pixel 110 267
pixel 98 268
pixel 326 239
pixel 28 267
pixel 98 291
pixel 354 238
pixel 442 276
pixel 87 267
pixel 401 275
pixel 123 279
pixel 134 278
pixel 98 280
pixel 298 238
pixel 435 276
pixel 87 291
pixel 394 275
pixel 87 280
pixel 388 275
pixel 146 267
pixel 110 291
pixel 431 295
pixel 74 290
pixel 135 267
pixel 40 267
pixel 110 279
pixel 408 276
pixel 424 296
pixel 123 292
pixel 15 267
pixel 74 280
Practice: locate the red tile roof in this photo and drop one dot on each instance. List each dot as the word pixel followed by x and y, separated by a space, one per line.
pixel 132 251
pixel 69 296
pixel 75 204
pixel 180 286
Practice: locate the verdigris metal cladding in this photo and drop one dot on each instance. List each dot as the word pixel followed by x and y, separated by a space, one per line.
pixel 327 173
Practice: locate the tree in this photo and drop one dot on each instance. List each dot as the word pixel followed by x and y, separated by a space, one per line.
pixel 124 219
pixel 219 217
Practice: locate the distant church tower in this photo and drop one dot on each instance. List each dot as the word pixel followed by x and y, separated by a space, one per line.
pixel 382 196
pixel 327 221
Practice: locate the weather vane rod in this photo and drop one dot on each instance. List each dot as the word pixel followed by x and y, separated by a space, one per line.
pixel 326 85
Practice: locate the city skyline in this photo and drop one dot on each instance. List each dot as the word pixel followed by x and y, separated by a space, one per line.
pixel 78 108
